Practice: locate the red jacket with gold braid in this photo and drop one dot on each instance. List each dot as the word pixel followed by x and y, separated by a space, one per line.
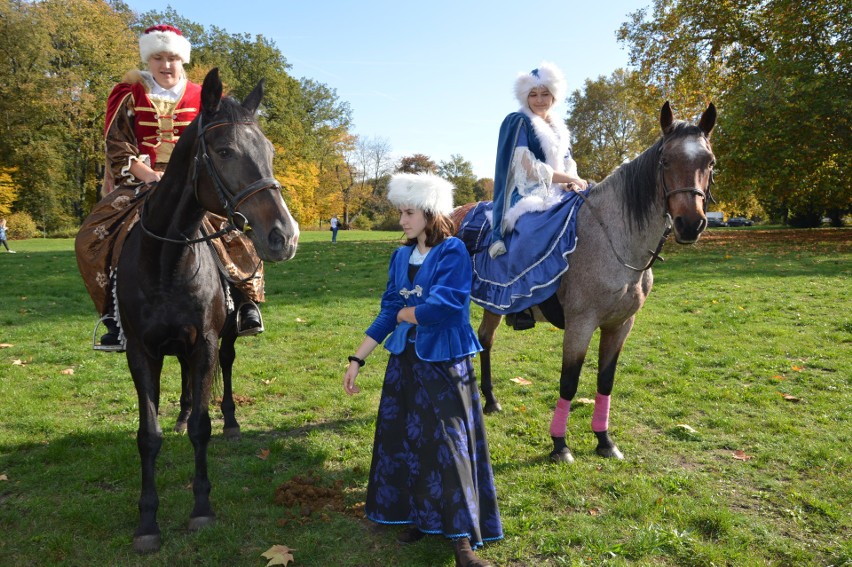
pixel 152 128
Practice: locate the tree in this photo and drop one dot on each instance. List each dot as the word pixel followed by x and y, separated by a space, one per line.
pixel 418 163
pixel 459 172
pixel 612 121
pixel 779 71
pixel 57 70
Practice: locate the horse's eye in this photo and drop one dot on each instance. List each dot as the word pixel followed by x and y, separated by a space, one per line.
pixel 224 153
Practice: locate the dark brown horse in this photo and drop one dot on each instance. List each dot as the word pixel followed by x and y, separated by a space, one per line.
pixel 172 298
pixel 620 230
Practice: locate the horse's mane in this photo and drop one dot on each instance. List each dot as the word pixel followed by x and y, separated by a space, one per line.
pixel 636 180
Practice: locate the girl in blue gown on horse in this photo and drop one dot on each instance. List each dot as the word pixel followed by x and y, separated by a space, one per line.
pixel 431 469
pixel 522 240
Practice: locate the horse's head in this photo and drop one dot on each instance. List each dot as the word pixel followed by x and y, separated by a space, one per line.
pixel 234 171
pixel 686 171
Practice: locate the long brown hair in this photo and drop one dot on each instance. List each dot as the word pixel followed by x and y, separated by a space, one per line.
pixel 438 228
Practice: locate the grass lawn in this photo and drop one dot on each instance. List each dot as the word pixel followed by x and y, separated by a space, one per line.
pixel 732 405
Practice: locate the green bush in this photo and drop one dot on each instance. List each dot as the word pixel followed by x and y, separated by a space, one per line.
pixel 20 226
pixel 66 232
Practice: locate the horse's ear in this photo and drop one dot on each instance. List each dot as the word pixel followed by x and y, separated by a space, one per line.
pixel 666 117
pixel 708 120
pixel 252 101
pixel 211 91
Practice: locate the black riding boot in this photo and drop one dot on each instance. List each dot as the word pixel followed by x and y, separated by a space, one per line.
pixel 249 320
pixel 112 337
pixel 521 321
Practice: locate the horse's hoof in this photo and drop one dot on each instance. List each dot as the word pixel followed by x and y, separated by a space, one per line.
pixel 562 456
pixel 199 522
pixel 610 452
pixel 146 543
pixel 232 433
pixel 180 427
pixel 492 407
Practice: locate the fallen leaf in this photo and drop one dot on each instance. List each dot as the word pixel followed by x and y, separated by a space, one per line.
pixel 798 368
pixel 594 511
pixel 584 401
pixel 686 427
pixel 278 555
pixel 521 381
pixel 521 408
pixel 18 362
pixel 67 371
pixel 299 320
pixel 263 454
pixel 3 477
pixel 790 398
pixel 778 377
pixel 741 456
pixel 6 345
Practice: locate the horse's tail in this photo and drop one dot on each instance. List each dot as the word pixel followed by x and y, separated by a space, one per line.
pixel 458 214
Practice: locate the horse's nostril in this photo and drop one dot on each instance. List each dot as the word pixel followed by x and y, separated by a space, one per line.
pixel 276 240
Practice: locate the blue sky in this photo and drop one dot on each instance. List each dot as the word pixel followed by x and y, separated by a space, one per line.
pixel 431 77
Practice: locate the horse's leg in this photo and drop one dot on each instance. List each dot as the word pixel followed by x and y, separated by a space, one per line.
pixel 227 355
pixel 611 343
pixel 487 333
pixel 575 343
pixel 149 439
pixel 185 396
pixel 199 430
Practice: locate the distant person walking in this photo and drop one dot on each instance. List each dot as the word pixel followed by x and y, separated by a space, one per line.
pixel 335 226
pixel 3 235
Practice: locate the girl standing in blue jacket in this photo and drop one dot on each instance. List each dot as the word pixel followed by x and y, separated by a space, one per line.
pixel 431 470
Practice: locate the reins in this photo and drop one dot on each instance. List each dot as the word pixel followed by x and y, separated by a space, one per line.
pixel 655 254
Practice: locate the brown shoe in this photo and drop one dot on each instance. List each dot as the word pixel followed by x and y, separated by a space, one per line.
pixel 465 557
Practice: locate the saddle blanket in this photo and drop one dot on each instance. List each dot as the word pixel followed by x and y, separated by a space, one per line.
pixel 537 254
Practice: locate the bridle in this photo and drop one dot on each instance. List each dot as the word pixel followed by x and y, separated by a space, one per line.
pixel 230 203
pixel 661 180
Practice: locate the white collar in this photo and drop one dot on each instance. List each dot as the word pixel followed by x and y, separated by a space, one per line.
pixel 172 93
pixel 417 257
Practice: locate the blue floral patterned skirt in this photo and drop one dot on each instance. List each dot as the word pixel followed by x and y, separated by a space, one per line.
pixel 431 466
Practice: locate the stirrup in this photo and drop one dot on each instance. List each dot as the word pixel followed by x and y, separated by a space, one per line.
pixel 121 347
pixel 239 322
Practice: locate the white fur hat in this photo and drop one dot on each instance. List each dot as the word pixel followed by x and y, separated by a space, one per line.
pixel 158 39
pixel 424 191
pixel 547 75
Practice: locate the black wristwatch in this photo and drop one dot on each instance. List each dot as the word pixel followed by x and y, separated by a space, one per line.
pixel 361 362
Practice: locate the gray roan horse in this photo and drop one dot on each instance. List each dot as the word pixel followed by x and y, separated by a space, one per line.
pixel 620 231
pixel 170 292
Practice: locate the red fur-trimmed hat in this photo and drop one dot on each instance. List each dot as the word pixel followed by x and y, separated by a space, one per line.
pixel 158 39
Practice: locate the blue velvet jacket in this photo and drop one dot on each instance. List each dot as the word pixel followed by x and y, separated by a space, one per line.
pixel 440 294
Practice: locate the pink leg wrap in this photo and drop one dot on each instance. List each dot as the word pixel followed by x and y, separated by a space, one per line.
pixel 600 417
pixel 560 418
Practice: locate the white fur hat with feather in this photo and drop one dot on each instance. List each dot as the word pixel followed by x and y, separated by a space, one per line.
pixel 159 39
pixel 424 191
pixel 546 75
